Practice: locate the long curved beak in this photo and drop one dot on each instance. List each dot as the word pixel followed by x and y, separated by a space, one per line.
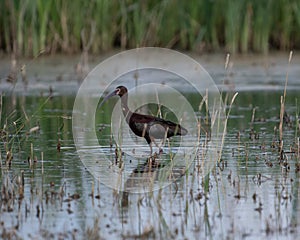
pixel 114 93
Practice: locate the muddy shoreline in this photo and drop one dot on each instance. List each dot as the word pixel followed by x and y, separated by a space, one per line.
pixel 63 75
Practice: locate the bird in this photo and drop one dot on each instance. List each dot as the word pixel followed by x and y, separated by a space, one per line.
pixel 146 126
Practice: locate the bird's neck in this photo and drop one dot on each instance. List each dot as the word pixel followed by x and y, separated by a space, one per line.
pixel 125 109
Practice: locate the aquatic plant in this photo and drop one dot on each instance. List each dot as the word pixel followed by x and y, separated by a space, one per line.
pixel 31 27
pixel 282 109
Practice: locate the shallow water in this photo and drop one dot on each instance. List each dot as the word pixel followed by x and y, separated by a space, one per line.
pixel 249 194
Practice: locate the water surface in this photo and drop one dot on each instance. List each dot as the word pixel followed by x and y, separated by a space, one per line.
pixel 251 193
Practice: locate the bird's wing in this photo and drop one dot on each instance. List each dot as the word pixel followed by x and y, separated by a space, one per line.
pixel 141 118
pixel 174 128
pixel 149 119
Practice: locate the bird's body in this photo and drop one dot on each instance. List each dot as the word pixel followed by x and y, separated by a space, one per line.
pixel 147 126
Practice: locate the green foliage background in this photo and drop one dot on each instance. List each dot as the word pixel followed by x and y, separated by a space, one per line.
pixel 69 26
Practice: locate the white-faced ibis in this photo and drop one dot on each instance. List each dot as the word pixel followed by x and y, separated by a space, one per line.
pixel 147 126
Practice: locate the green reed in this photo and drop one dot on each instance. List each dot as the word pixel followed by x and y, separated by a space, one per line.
pixel 29 27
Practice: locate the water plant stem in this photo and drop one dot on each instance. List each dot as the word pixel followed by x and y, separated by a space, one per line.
pixel 237 26
pixel 282 102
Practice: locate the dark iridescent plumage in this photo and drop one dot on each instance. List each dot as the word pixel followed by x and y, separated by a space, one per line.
pixel 147 126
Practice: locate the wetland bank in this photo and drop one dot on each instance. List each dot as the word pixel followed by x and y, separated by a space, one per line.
pixel 253 192
pixel 46 190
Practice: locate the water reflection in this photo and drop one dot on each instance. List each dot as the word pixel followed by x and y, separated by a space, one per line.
pixel 250 193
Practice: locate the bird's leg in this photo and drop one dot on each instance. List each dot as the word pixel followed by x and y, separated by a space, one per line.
pixel 157 145
pixel 150 148
pixel 152 157
pixel 144 130
pixel 162 143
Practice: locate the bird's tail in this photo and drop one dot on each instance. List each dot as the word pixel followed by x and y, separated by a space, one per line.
pixel 179 130
pixel 182 131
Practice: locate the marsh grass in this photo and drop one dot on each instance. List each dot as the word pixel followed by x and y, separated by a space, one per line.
pixel 282 109
pixel 29 27
pixel 18 130
pixel 195 206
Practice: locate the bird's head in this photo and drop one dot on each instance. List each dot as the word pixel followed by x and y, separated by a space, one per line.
pixel 120 91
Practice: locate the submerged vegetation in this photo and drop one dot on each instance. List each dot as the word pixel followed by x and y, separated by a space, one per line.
pixel 55 197
pixel 252 191
pixel 30 27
